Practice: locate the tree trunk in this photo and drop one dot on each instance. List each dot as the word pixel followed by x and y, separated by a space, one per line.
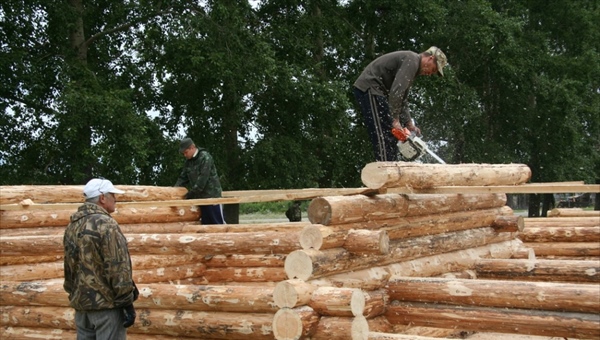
pixel 405 174
pixel 500 320
pixel 539 270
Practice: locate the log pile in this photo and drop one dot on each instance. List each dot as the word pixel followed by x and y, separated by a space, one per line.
pixel 364 267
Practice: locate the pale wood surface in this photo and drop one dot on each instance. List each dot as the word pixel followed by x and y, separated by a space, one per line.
pixel 539 270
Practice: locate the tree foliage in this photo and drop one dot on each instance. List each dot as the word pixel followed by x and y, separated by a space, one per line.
pixel 104 88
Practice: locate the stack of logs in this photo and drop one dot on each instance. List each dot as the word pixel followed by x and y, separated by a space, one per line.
pixel 365 267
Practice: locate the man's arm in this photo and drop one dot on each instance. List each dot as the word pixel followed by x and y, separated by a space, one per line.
pixel 117 264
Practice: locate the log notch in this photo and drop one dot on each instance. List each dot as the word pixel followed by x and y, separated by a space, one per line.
pixel 539 270
pixel 335 210
pixel 294 323
pixel 74 193
pixel 501 320
pixel 379 175
pixel 573 212
pixel 561 234
pixel 565 297
pixel 292 293
pixel 367 242
pixel 307 264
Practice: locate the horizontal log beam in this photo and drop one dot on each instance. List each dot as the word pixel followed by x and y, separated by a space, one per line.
pixel 573 212
pixel 579 249
pixel 561 234
pixel 539 270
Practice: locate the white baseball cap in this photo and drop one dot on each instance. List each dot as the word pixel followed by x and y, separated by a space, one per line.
pixel 99 186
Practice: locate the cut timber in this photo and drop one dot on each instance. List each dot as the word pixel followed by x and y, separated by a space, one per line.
pixel 14 333
pixel 561 222
pixel 292 293
pixel 310 264
pixel 391 336
pixel 561 234
pixel 333 301
pixel 348 209
pixel 509 223
pixel 365 279
pixel 539 270
pixel 579 249
pixel 6 260
pixel 244 260
pixel 549 296
pixel 342 328
pixel 367 242
pixel 375 303
pixel 250 227
pixel 501 320
pixel 379 175
pixel 169 273
pixel 244 274
pixel 41 218
pixel 294 323
pixel 31 272
pixel 74 193
pixel 573 212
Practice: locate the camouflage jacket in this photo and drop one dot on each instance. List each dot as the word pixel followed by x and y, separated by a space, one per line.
pixel 96 263
pixel 199 175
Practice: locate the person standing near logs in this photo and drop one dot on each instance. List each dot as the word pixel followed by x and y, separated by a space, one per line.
pixel 97 266
pixel 199 175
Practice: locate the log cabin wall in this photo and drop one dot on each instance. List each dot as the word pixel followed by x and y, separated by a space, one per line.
pixel 364 267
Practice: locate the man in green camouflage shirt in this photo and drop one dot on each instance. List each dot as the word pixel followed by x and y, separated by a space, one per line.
pixel 97 265
pixel 199 175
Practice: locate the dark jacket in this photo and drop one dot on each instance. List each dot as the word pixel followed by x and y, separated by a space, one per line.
pixel 199 175
pixel 97 264
pixel 392 75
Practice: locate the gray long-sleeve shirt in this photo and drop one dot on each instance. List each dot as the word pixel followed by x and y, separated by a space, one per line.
pixel 392 75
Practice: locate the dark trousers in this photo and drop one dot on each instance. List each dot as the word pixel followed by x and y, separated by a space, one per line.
pixel 378 119
pixel 211 214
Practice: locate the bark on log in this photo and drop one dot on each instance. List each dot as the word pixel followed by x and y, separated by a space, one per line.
pixel 294 323
pixel 42 218
pixel 380 324
pixel 575 249
pixel 310 264
pixel 333 301
pixel 349 209
pixel 511 224
pixel 168 244
pixel 292 293
pixel 335 236
pixel 375 303
pixel 379 175
pixel 342 328
pixel 561 222
pixel 74 193
pixel 561 234
pixel 549 296
pixel 539 270
pixel 365 242
pixel 573 212
pixel 501 320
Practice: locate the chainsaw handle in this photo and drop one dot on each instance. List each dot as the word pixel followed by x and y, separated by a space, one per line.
pixel 401 134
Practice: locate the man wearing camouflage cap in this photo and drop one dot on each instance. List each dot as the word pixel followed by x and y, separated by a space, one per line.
pixel 382 90
pixel 97 265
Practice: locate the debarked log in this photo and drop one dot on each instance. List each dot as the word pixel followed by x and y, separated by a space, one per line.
pixel 292 293
pixel 8 260
pixel 573 212
pixel 561 234
pixel 378 175
pixel 74 193
pixel 310 264
pixel 561 222
pixel 342 328
pixel 550 296
pixel 359 208
pixel 295 323
pixel 243 274
pixel 43 218
pixel 575 249
pixel 391 336
pixel 334 301
pixel 500 320
pixel 539 270
pixel 20 333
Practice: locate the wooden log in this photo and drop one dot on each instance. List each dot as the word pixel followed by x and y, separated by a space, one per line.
pixel 6 260
pixel 333 301
pixel 349 209
pixel 74 193
pixel 244 260
pixel 20 333
pixel 508 223
pixel 565 248
pixel 390 336
pixel 375 303
pixel 367 242
pixel 311 237
pixel 310 264
pixel 539 270
pixel 41 218
pixel 245 274
pixel 366 279
pixel 135 228
pixel 31 272
pixel 549 296
pixel 292 293
pixel 501 320
pixel 168 244
pixel 294 323
pixel 251 227
pixel 169 273
pixel 342 328
pixel 139 262
pixel 573 212
pixel 400 228
pixel 561 234
pixel 560 222
pixel 379 175
pixel 380 324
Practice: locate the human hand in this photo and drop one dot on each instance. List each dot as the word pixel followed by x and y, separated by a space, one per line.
pixel 189 195
pixel 415 129
pixel 128 316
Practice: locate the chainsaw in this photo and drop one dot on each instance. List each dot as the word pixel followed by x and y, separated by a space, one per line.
pixel 412 147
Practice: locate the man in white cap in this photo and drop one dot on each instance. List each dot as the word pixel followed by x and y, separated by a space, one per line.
pixel 381 92
pixel 97 265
